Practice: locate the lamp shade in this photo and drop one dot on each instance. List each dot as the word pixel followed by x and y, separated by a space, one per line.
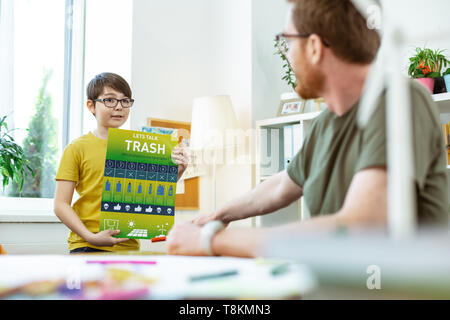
pixel 212 117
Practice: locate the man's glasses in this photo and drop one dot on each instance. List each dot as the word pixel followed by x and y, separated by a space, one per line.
pixel 282 41
pixel 112 102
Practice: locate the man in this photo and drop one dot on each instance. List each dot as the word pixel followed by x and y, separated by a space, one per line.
pixel 341 169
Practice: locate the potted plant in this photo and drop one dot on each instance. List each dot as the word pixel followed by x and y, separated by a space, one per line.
pixel 426 66
pixel 289 75
pixel 441 62
pixel 13 164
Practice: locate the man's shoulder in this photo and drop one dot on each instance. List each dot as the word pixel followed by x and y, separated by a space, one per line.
pixel 423 103
pixel 419 90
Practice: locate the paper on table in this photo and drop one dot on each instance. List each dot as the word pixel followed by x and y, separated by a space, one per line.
pixel 252 280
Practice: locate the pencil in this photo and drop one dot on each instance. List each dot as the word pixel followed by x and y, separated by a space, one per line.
pixel 214 276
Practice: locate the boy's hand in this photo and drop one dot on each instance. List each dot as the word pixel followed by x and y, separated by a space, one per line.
pixel 105 238
pixel 180 157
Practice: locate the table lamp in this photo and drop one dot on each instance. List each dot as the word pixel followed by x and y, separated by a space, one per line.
pixel 212 116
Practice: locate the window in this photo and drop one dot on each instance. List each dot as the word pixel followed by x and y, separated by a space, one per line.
pixel 35 85
pixel 49 49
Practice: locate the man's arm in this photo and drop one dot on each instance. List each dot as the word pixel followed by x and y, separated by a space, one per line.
pixel 365 206
pixel 273 194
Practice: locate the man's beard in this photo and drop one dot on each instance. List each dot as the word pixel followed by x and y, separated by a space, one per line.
pixel 309 81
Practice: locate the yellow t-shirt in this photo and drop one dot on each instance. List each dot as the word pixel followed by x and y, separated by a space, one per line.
pixel 83 162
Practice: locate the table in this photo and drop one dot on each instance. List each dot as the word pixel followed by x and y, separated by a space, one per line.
pixel 150 275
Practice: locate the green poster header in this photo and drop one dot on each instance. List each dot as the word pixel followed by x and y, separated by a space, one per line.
pixel 139 184
pixel 143 147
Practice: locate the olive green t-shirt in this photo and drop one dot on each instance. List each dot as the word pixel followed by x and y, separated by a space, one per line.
pixel 335 149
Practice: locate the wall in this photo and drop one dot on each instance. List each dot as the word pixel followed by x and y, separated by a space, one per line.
pixel 170 58
pixel 34 238
pixel 32 233
pixel 268 19
pixel 183 50
pixel 421 31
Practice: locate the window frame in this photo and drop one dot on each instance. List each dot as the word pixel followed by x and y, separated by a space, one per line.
pixel 39 209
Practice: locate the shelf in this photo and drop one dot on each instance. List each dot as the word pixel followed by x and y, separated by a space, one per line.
pixel 281 121
pixel 443 102
pixel 441 97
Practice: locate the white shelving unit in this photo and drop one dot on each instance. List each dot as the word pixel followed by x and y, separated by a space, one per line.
pixel 441 97
pixel 443 102
pixel 271 130
pixel 270 160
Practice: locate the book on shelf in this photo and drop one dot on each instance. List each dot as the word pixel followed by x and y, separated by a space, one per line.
pixel 293 141
pixel 288 145
pixel 297 138
pixel 445 133
pixel 445 128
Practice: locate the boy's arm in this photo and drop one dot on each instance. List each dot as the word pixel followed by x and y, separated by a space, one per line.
pixel 65 213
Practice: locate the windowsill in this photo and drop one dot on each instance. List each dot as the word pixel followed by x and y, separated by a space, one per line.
pixel 23 210
pixel 27 210
pixel 43 217
pixel 24 217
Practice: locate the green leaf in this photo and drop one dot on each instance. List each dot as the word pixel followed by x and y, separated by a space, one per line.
pixel 433 75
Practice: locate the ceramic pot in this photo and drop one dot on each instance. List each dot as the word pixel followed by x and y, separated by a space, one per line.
pixel 427 82
pixel 439 85
pixel 447 82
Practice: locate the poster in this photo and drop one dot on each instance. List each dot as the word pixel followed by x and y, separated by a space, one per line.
pixel 139 184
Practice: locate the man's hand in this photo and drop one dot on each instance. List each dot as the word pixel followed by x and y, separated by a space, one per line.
pixel 204 218
pixel 184 239
pixel 105 238
pixel 180 157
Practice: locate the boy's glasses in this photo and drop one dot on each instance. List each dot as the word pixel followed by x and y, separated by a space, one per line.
pixel 112 102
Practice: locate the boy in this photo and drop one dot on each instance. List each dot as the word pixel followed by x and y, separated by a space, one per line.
pixel 82 167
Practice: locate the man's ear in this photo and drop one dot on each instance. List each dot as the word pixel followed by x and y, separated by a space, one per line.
pixel 91 106
pixel 315 49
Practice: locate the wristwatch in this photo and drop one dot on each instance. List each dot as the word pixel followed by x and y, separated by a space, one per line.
pixel 206 234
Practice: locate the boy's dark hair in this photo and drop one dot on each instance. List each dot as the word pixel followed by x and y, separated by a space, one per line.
pixel 106 79
pixel 341 25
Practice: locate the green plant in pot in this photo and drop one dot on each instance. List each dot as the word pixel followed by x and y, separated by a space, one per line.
pixel 426 66
pixel 289 76
pixel 13 163
pixel 442 62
